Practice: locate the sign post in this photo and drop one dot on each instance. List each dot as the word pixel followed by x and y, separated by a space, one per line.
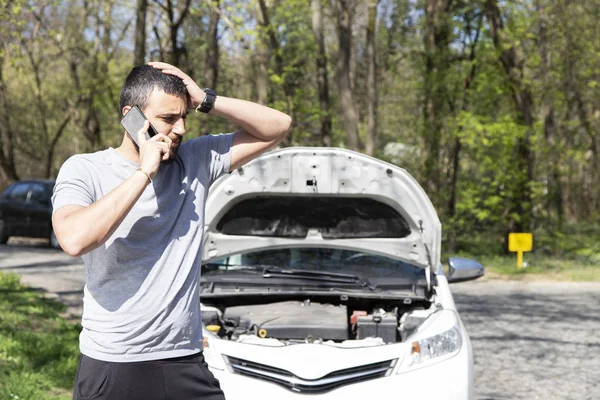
pixel 520 242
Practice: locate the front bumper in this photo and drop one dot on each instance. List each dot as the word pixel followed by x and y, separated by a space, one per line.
pixel 451 379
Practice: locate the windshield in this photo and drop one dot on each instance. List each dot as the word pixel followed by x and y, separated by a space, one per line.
pixel 363 264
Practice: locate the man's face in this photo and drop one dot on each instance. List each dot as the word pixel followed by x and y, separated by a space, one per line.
pixel 167 114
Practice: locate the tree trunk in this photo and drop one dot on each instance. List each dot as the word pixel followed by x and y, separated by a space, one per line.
pixel 371 81
pixel 436 47
pixel 268 34
pixel 262 59
pixel 52 147
pixel 211 66
pixel 322 79
pixel 456 152
pixel 140 32
pixel 512 63
pixel 349 115
pixel 553 159
pixel 8 171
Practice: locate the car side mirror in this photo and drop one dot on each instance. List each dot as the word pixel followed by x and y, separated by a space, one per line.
pixel 464 269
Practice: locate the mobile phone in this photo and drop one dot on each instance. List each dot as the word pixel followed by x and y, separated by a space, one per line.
pixel 133 122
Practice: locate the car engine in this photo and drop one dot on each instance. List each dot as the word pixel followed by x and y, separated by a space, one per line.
pixel 308 322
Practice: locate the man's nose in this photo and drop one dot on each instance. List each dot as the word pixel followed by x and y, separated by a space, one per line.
pixel 179 127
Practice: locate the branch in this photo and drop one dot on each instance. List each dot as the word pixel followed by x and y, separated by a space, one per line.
pixel 119 39
pixel 159 40
pixel 227 21
pixel 60 131
pixel 162 5
pixel 183 14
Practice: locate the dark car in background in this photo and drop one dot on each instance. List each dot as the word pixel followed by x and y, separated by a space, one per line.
pixel 26 210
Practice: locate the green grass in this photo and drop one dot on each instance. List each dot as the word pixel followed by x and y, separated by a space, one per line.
pixel 571 255
pixel 540 267
pixel 38 348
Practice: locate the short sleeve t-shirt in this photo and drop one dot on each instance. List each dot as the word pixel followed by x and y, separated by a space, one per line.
pixel 141 299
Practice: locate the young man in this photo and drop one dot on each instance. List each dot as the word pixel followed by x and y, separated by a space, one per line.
pixel 136 216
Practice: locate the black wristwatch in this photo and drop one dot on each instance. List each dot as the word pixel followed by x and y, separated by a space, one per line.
pixel 208 102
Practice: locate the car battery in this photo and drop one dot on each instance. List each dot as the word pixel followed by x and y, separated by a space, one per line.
pixel 381 326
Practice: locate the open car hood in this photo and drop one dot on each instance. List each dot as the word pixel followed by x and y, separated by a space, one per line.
pixel 333 196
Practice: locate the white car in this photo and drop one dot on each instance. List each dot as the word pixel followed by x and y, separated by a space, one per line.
pixel 321 279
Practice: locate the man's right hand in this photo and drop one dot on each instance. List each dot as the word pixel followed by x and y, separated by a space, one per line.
pixel 152 151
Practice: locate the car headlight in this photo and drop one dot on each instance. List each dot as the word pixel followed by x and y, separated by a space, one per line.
pixel 436 346
pixel 438 338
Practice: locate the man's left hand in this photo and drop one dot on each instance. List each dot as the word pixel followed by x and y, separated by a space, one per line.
pixel 196 94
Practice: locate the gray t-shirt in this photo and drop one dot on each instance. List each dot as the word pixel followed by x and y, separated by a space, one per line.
pixel 141 299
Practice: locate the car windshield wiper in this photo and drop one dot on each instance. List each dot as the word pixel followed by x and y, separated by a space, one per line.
pixel 317 275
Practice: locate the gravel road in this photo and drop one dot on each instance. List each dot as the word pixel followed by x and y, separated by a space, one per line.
pixel 532 340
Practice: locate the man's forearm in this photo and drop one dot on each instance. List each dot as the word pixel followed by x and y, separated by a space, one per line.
pixel 80 231
pixel 260 121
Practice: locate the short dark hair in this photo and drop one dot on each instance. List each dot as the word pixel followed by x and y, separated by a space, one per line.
pixel 142 80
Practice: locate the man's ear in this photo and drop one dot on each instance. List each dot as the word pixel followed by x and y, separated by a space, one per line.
pixel 125 110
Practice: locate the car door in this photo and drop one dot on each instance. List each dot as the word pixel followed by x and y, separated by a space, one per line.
pixel 15 209
pixel 38 211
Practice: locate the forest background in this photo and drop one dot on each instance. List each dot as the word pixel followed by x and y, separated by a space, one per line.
pixel 493 105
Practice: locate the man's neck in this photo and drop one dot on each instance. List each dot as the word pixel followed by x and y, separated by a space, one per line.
pixel 129 150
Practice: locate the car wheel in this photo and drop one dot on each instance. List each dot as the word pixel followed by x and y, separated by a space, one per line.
pixel 3 236
pixel 54 241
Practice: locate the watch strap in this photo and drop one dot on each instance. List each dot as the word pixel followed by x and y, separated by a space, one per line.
pixel 208 102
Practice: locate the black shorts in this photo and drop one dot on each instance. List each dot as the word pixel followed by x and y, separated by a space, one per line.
pixel 179 378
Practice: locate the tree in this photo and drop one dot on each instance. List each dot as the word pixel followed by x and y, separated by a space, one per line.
pixel 140 32
pixel 8 170
pixel 371 79
pixel 176 52
pixel 471 36
pixel 343 11
pixel 322 78
pixel 211 66
pixel 513 62
pixel 549 115
pixel 436 43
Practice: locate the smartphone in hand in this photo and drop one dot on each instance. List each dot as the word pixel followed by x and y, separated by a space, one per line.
pixel 133 122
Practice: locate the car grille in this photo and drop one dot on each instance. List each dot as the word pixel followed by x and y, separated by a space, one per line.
pixel 311 386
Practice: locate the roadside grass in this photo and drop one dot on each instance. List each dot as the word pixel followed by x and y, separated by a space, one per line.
pixel 540 267
pixel 38 348
pixel 571 255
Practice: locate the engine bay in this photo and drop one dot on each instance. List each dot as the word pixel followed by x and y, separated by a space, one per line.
pixel 309 321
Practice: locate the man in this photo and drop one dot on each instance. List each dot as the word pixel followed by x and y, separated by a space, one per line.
pixel 135 216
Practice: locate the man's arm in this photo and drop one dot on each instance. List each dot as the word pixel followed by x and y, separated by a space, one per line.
pixel 82 229
pixel 261 127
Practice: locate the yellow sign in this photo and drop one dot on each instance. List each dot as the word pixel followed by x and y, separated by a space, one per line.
pixel 520 242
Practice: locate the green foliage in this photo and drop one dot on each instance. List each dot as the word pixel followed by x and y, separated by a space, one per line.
pixel 82 60
pixel 38 348
pixel 490 170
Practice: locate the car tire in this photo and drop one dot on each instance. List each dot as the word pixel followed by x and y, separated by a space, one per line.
pixel 53 240
pixel 3 236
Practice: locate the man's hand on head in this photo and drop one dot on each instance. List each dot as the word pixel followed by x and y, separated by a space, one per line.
pixel 195 92
pixel 261 127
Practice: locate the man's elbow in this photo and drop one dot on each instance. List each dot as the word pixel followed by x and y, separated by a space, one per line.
pixel 285 125
pixel 71 239
pixel 71 245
